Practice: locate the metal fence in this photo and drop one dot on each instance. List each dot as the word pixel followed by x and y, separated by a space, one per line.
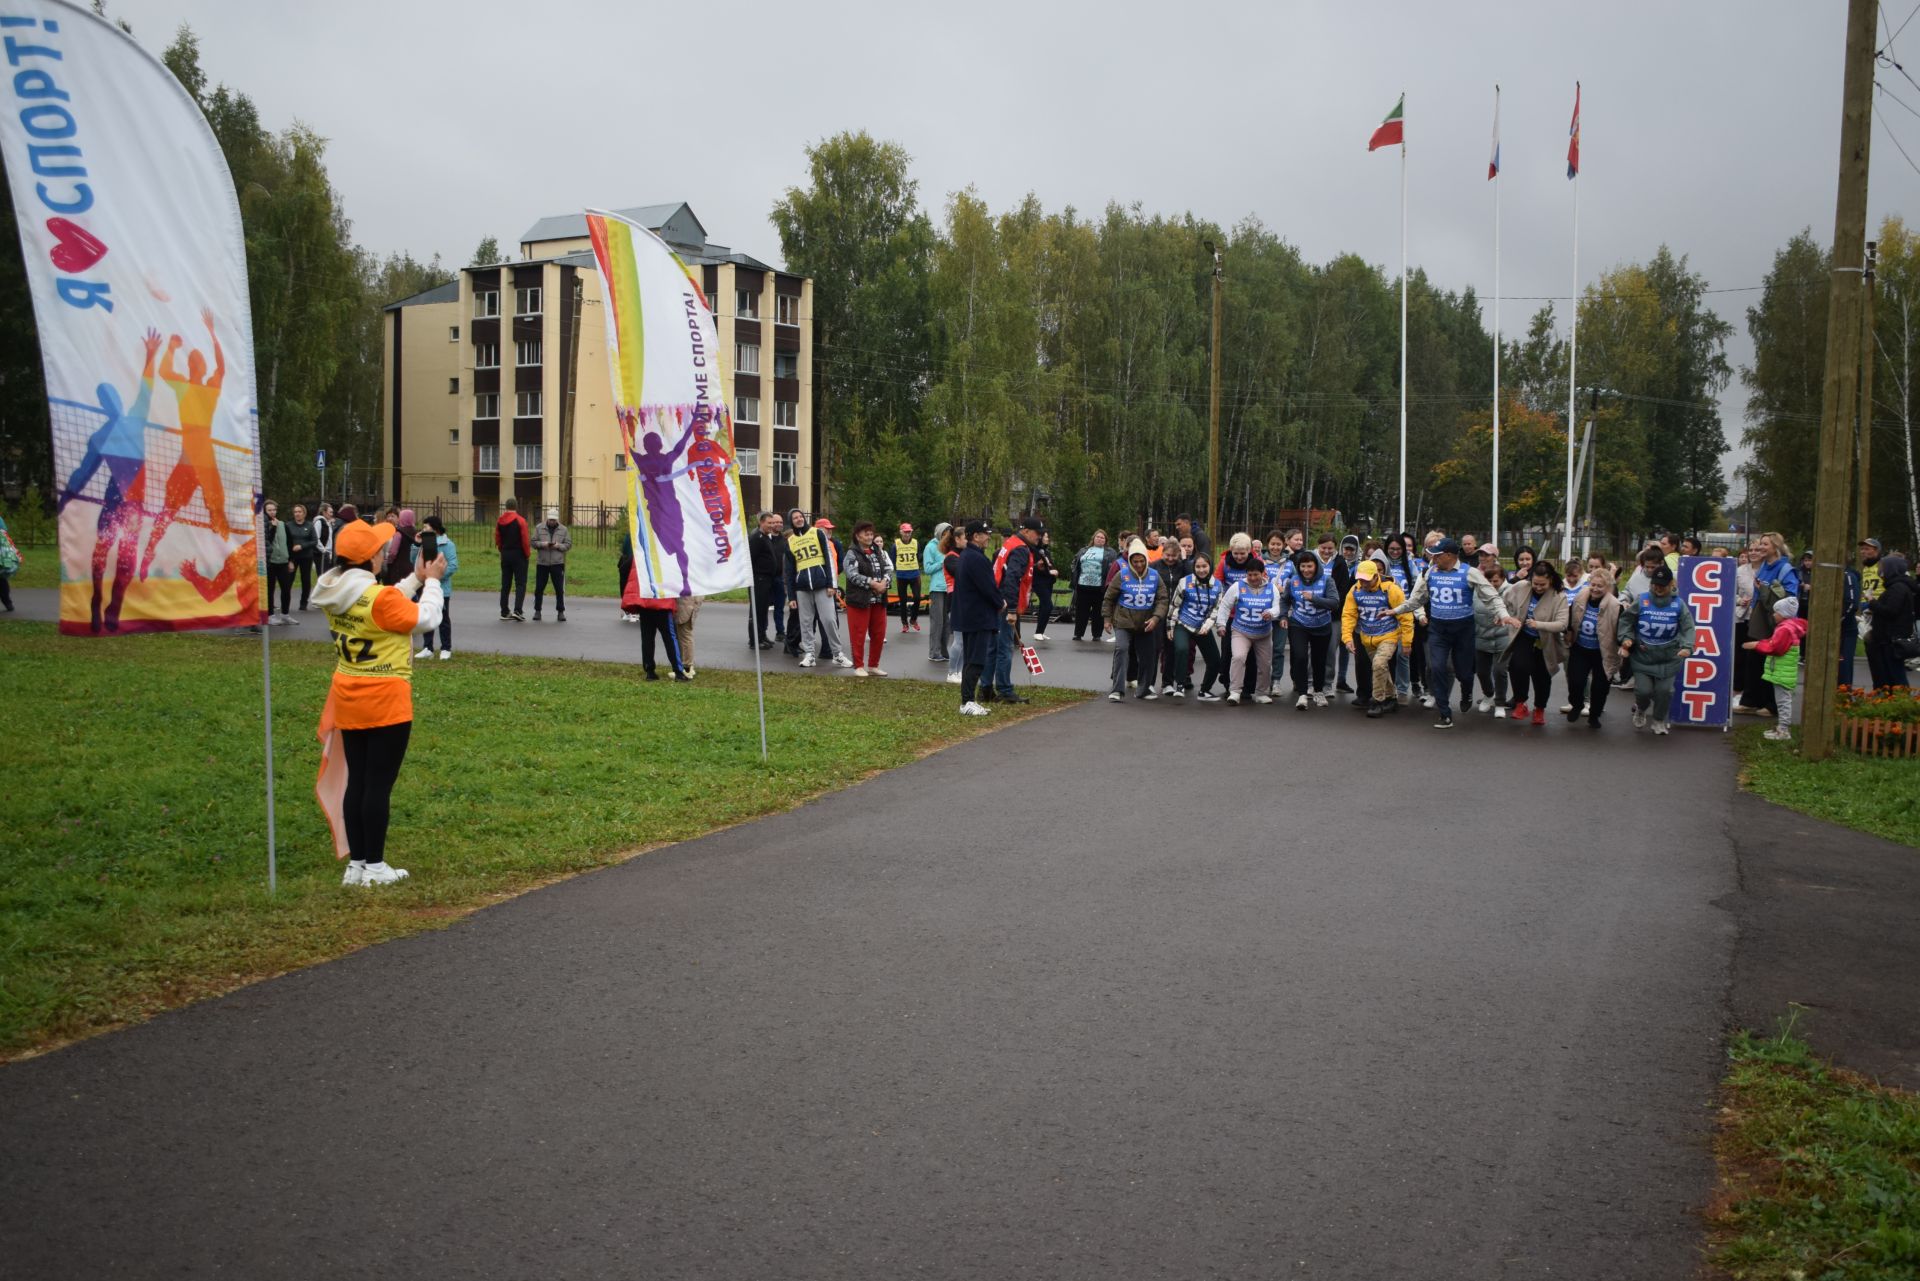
pixel 592 524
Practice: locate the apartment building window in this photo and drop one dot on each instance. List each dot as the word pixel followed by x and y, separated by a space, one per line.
pixel 786 309
pixel 786 413
pixel 453 486
pixel 746 358
pixel 526 301
pixel 746 304
pixel 453 333
pixel 486 458
pixel 486 405
pixel 786 469
pixel 527 353
pixel 749 461
pixel 453 386
pixel 486 305
pixel 453 435
pixel 746 409
pixel 486 355
pixel 713 303
pixel 526 404
pixel 526 458
pixel 786 364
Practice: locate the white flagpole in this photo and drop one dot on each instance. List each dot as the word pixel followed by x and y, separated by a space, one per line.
pixel 266 688
pixel 1573 352
pixel 1403 315
pixel 759 680
pixel 1494 528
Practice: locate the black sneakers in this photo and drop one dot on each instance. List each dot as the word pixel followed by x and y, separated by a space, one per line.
pixel 1445 721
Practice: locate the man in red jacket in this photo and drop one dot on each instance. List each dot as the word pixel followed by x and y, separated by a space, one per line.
pixel 515 542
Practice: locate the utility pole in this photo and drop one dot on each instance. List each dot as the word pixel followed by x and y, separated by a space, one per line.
pixel 1213 403
pixel 1843 371
pixel 566 410
pixel 1863 443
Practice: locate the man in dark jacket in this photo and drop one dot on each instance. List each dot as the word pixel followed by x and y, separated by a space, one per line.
pixel 1013 570
pixel 978 612
pixel 1892 616
pixel 766 554
pixel 515 543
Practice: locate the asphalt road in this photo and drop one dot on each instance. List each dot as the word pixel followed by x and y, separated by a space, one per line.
pixel 1105 995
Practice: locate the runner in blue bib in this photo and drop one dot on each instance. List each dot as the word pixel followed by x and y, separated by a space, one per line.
pixel 1312 599
pixel 1448 592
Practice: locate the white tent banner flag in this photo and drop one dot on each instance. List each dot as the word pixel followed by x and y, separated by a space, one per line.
pixel 683 502
pixel 137 269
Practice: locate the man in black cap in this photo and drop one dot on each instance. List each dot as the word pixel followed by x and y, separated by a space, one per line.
pixel 976 611
pixel 1013 571
pixel 1448 591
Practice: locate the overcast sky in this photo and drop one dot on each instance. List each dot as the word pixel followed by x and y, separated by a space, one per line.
pixel 1712 127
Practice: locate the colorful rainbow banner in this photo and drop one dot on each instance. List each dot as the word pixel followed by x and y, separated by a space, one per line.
pixel 683 488
pixel 138 271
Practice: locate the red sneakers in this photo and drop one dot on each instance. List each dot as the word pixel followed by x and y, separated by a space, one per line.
pixel 1539 716
pixel 1520 712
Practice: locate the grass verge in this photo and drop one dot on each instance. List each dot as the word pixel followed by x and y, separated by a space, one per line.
pixel 132 847
pixel 1867 794
pixel 1819 1170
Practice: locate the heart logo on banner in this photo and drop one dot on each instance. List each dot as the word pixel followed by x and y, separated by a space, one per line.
pixel 77 250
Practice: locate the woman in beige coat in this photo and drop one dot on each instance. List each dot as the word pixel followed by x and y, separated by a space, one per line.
pixel 1593 646
pixel 1540 646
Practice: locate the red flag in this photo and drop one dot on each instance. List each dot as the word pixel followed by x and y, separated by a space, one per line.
pixel 1393 129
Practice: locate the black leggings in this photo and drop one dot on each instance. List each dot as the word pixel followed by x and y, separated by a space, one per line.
pixel 1042 604
pixel 281 577
pixel 373 764
pixel 1086 611
pixel 303 566
pixel 1529 665
pixel 909 592
pixel 1307 650
pixel 1586 681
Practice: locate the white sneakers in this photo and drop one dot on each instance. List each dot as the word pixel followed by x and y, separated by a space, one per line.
pixel 1234 698
pixel 1041 637
pixel 1114 697
pixel 1319 700
pixel 359 873
pixel 446 654
pixel 1300 703
pixel 1639 719
pixel 1426 700
pixel 1151 694
pixel 1779 734
pixel 875 671
pixel 953 678
pixel 1174 691
pixel 972 709
pixel 425 651
pixel 1662 727
pixel 808 660
pixel 1500 713
pixel 841 660
pixel 1263 699
pixel 1108 638
pixel 859 671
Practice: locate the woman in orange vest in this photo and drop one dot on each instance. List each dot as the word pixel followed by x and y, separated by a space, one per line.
pixel 368 716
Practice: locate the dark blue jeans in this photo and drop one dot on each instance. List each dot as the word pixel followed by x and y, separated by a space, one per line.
pixel 1450 653
pixel 1000 670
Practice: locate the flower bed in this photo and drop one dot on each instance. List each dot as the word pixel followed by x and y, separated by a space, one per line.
pixel 1883 722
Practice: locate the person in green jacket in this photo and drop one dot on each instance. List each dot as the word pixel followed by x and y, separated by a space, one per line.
pixel 279 566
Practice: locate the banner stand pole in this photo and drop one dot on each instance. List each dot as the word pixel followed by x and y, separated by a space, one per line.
pixel 266 689
pixel 759 682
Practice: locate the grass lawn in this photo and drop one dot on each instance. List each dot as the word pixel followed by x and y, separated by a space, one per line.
pixel 132 860
pixel 1868 794
pixel 39 567
pixel 1819 1170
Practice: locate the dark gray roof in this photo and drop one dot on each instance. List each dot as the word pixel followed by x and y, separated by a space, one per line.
pixel 449 292
pixel 653 217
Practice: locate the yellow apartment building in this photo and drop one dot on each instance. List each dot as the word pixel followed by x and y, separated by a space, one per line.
pixel 477 380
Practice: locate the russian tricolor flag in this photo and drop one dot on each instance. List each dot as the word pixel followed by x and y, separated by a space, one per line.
pixel 1573 136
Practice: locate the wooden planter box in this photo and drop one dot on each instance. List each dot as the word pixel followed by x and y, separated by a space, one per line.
pixel 1871 737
